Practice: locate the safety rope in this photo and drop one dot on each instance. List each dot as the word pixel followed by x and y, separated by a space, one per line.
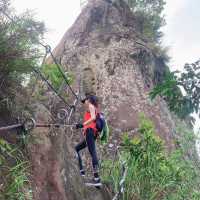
pixel 10 127
pixel 73 108
pixel 30 124
pixel 121 189
pixel 50 86
pixel 49 51
pixel 124 170
pixel 59 91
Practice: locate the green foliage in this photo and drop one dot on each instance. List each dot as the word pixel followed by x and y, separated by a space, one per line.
pixel 111 173
pixel 104 135
pixel 186 159
pixel 13 170
pixel 151 174
pixel 186 102
pixel 54 75
pixel 19 52
pixel 149 17
pixel 188 186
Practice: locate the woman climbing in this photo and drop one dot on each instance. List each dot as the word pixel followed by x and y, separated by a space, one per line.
pixel 90 134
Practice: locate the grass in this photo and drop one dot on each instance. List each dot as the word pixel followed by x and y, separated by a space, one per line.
pixel 151 173
pixel 15 184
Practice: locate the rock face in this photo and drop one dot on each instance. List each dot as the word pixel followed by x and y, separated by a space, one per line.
pixel 104 49
pixel 107 56
pixel 54 171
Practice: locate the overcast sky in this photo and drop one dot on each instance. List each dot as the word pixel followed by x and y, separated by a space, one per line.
pixel 57 15
pixel 182 32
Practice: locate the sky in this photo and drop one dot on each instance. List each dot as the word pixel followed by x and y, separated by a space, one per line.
pixel 182 32
pixel 58 15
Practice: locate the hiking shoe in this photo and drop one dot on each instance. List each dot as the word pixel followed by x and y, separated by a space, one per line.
pixel 95 182
pixel 82 172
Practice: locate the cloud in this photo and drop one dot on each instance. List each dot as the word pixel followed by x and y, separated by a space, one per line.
pixel 182 31
pixel 173 6
pixel 57 15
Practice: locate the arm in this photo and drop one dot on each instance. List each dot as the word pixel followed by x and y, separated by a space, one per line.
pixel 93 115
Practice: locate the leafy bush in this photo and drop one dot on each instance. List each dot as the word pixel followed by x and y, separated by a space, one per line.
pixel 54 75
pixel 149 17
pixel 151 174
pixel 19 52
pixel 181 90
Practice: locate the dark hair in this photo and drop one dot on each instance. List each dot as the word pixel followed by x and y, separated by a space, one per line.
pixel 93 100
